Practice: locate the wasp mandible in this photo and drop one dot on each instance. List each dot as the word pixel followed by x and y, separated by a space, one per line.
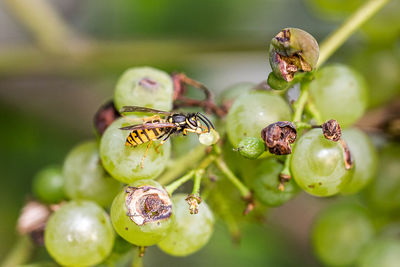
pixel 162 126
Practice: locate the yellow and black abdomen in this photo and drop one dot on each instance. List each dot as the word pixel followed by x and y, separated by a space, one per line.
pixel 141 136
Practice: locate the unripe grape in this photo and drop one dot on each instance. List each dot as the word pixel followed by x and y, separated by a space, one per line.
pixel 142 213
pixel 48 185
pixel 340 232
pixel 364 157
pixel 318 164
pixel 265 182
pixel 253 111
pixel 339 92
pixel 251 147
pixel 384 192
pixel 124 162
pixel 79 234
pixel 191 231
pixel 145 87
pixel 229 94
pixel 85 177
pixel 383 252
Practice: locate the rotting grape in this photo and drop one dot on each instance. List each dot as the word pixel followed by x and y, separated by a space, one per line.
pixel 365 159
pixel 142 213
pixel 339 92
pixel 340 233
pixel 251 112
pixel 79 234
pixel 85 177
pixel 265 182
pixel 145 87
pixel 48 185
pixel 124 162
pixel 318 164
pixel 191 231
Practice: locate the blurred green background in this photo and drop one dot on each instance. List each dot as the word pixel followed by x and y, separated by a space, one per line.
pixel 59 60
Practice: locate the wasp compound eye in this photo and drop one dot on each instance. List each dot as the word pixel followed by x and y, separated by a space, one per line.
pixel 292 50
pixel 331 130
pixel 278 137
pixel 147 204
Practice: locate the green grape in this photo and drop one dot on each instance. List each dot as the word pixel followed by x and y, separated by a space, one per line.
pixel 181 145
pixel 229 94
pixel 191 231
pixel 340 232
pixel 339 93
pixel 145 87
pixel 383 252
pixel 265 182
pixel 317 164
pixel 364 157
pixel 384 192
pixel 79 234
pixel 48 185
pixel 124 162
pixel 85 178
pixel 142 213
pixel 251 147
pixel 253 111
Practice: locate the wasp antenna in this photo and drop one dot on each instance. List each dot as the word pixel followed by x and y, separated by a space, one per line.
pixel 205 117
pixel 206 122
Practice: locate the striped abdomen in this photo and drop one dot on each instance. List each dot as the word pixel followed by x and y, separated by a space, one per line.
pixel 138 137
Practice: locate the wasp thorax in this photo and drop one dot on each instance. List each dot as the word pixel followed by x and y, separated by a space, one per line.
pixel 331 130
pixel 292 50
pixel 147 204
pixel 278 137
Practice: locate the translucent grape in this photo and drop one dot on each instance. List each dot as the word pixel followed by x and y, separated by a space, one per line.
pixel 48 185
pixel 318 166
pixel 253 111
pixel 136 220
pixel 85 177
pixel 79 234
pixel 265 182
pixel 364 158
pixel 229 94
pixel 124 162
pixel 191 231
pixel 384 252
pixel 339 234
pixel 145 87
pixel 339 93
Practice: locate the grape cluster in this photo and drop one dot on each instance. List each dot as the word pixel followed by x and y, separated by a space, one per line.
pixel 264 150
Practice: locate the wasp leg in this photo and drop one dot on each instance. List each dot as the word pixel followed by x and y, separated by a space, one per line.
pixel 145 154
pixel 163 141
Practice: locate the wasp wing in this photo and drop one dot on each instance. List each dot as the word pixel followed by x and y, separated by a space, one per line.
pixel 125 109
pixel 149 126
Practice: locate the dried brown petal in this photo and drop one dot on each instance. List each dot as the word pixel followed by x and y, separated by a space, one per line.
pixel 105 116
pixel 331 130
pixel 193 201
pixel 147 204
pixel 278 137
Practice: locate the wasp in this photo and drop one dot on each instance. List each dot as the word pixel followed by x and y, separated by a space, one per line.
pixel 162 125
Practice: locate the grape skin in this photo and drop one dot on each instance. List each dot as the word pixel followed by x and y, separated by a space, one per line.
pixel 124 162
pixel 79 234
pixel 48 185
pixel 85 177
pixel 191 231
pixel 253 111
pixel 317 165
pixel 129 92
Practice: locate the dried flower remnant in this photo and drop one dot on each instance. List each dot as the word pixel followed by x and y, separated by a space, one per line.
pixel 147 204
pixel 278 137
pixel 194 202
pixel 104 116
pixel 348 162
pixel 292 50
pixel 332 130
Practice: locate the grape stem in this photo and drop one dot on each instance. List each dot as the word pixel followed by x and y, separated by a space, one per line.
pixel 20 253
pixel 338 37
pixel 197 181
pixel 137 257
